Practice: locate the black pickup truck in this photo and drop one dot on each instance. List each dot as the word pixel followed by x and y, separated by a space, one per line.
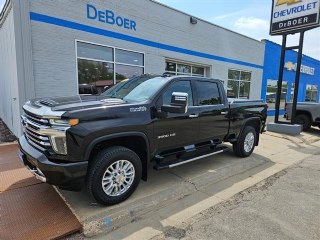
pixel 107 142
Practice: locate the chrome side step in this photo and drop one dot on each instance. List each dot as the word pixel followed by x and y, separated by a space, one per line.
pixel 195 159
pixel 179 162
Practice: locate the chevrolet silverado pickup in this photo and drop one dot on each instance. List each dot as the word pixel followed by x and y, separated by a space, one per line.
pixel 107 142
pixel 307 114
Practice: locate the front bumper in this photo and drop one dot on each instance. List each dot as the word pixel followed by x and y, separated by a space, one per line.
pixel 68 176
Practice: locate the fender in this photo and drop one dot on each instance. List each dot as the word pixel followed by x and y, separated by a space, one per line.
pixel 252 119
pixel 306 112
pixel 116 135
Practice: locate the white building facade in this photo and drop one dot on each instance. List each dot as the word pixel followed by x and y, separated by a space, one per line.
pixel 55 47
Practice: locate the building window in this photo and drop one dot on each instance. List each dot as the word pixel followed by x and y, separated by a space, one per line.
pixel 100 67
pixel 271 95
pixel 176 68
pixel 311 93
pixel 238 84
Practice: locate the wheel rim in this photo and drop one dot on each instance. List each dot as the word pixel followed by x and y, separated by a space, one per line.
pixel 118 178
pixel 249 142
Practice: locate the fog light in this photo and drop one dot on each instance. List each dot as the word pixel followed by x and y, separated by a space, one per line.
pixel 59 145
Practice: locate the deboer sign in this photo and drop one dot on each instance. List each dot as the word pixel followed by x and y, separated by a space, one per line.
pixel 290 16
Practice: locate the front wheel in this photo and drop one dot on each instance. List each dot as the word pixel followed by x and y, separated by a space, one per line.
pixel 114 175
pixel 246 142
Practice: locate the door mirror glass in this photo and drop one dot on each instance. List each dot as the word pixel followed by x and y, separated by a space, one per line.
pixel 178 104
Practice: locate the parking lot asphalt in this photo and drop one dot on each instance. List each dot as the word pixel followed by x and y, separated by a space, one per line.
pixel 171 197
pixel 284 206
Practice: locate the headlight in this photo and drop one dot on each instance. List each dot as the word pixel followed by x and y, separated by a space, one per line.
pixel 59 145
pixel 64 122
pixel 58 133
pixel 59 122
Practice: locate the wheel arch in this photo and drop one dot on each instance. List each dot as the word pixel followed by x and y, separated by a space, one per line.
pixel 254 122
pixel 305 112
pixel 135 141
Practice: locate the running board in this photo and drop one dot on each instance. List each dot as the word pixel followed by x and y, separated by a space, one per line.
pixel 179 162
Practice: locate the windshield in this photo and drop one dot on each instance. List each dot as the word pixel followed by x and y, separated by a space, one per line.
pixel 138 89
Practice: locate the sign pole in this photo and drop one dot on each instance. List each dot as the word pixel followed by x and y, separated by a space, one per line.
pixel 280 77
pixel 297 79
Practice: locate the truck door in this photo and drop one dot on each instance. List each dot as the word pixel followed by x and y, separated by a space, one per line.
pixel 175 130
pixel 213 109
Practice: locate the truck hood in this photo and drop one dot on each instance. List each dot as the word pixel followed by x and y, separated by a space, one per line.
pixel 75 102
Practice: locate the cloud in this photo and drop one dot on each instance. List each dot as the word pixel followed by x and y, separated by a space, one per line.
pixel 251 23
pixel 224 16
pixel 259 29
pixel 311 42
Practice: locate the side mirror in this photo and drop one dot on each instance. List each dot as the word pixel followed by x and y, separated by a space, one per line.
pixel 179 103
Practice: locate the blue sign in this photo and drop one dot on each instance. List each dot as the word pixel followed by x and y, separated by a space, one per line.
pixel 109 17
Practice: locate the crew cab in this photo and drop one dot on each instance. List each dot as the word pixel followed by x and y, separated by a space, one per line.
pixel 307 114
pixel 107 142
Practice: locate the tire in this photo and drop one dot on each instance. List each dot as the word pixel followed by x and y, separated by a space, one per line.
pixel 246 142
pixel 118 186
pixel 303 120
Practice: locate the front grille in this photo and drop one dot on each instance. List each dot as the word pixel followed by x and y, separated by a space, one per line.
pixel 37 119
pixel 33 125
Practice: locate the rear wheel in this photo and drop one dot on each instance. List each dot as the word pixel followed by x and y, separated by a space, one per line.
pixel 114 175
pixel 304 120
pixel 246 142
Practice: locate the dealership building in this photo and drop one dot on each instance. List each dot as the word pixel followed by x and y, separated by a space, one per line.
pixel 309 85
pixel 59 48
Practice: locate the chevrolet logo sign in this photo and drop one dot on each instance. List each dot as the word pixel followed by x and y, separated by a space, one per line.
pixel 290 66
pixel 288 2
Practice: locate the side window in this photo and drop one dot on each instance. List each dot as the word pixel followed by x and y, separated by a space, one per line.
pixel 208 93
pixel 180 86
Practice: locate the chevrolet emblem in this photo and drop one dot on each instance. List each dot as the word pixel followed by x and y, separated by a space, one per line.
pixel 290 66
pixel 288 2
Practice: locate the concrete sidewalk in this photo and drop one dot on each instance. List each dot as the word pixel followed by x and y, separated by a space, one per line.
pixel 284 206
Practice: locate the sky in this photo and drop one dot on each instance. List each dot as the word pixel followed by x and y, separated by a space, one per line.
pixel 1 4
pixel 248 17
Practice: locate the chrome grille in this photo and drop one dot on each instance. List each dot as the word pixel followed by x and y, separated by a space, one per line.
pixel 33 126
pixel 37 119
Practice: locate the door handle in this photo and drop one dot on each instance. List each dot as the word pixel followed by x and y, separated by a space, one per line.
pixel 193 115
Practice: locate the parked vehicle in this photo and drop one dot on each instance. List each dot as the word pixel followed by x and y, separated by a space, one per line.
pixel 108 141
pixel 87 89
pixel 307 114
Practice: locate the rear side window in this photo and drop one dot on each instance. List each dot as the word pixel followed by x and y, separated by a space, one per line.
pixel 208 93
